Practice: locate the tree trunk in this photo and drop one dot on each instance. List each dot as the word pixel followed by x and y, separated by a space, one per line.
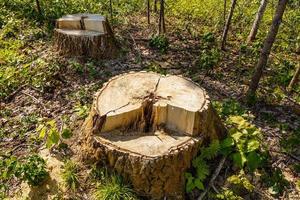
pixel 224 11
pixel 228 21
pixel 148 128
pixel 161 24
pixel 38 6
pixel 295 78
pixel 148 11
pixel 264 55
pixel 110 9
pixel 85 35
pixel 155 6
pixel 258 18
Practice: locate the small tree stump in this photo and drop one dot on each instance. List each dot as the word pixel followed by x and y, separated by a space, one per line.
pixel 148 127
pixel 85 35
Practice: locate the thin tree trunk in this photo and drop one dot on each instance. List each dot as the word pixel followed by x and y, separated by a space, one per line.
pixel 110 9
pixel 148 11
pixel 224 11
pixel 264 55
pixel 155 6
pixel 295 78
pixel 38 6
pixel 258 18
pixel 228 21
pixel 161 23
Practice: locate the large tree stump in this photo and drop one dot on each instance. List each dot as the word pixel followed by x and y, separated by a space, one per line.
pixel 85 35
pixel 148 127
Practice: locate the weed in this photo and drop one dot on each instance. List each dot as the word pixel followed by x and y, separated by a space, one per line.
pixel 53 136
pixel 114 189
pixel 159 42
pixel 70 175
pixel 208 59
pixel 276 182
pixel 34 171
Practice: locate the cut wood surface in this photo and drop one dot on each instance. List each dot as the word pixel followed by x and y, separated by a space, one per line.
pixel 148 127
pixel 87 35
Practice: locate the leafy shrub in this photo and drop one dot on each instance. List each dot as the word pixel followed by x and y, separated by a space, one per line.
pixel 69 175
pixel 209 37
pixel 159 42
pixel 33 170
pixel 201 167
pixel 53 136
pixel 276 182
pixel 208 59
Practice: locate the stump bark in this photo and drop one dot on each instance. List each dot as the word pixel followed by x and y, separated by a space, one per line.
pixel 85 35
pixel 148 128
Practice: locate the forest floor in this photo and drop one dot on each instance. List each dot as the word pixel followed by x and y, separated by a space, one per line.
pixel 68 92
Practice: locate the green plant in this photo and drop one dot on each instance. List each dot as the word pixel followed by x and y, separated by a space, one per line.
pixel 114 189
pixel 227 194
pixel 228 107
pixel 53 136
pixel 81 111
pixel 159 42
pixel 241 181
pixel 246 137
pixel 69 175
pixel 209 37
pixel 208 59
pixel 275 181
pixel 33 170
pixel 201 167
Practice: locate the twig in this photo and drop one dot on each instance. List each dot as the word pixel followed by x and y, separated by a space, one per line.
pixel 286 153
pixel 214 176
pixel 12 95
pixel 39 102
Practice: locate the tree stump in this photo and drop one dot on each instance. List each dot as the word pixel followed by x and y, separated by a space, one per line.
pixel 85 35
pixel 148 127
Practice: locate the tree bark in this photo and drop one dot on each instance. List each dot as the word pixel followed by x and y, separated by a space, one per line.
pixel 295 78
pixel 224 11
pixel 161 24
pixel 264 55
pixel 258 18
pixel 38 6
pixel 148 11
pixel 228 21
pixel 110 9
pixel 155 6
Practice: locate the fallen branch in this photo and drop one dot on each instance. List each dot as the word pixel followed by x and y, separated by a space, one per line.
pixel 214 176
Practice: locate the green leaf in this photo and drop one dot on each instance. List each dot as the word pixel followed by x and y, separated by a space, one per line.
pixel 43 132
pixel 49 143
pixel 66 133
pixel 252 145
pixel 253 160
pixel 239 159
pixel 52 123
pixel 228 142
pixel 190 184
pixel 54 136
pixel 202 170
pixel 237 135
pixel 199 184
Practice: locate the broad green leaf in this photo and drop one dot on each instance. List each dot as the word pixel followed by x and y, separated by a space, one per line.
pixel 236 136
pixel 54 136
pixel 239 159
pixel 253 160
pixel 199 184
pixel 52 123
pixel 43 132
pixel 252 145
pixel 189 184
pixel 49 142
pixel 228 142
